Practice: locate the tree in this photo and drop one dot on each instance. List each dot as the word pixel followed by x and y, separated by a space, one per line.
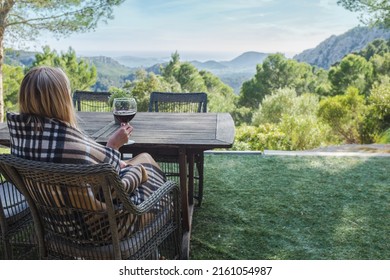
pixel 378 46
pixel 185 77
pixel 371 11
pixel 81 75
pixel 24 20
pixel 274 73
pixel 353 70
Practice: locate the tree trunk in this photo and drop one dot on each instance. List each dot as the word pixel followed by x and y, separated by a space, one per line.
pixel 1 75
pixel 5 8
pixel 2 24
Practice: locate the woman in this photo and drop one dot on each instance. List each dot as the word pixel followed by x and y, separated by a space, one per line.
pixel 46 130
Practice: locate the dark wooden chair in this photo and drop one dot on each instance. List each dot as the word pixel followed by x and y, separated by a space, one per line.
pixel 181 103
pixel 91 101
pixel 193 102
pixel 82 212
pixel 16 227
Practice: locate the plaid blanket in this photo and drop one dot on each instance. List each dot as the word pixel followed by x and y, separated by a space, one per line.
pixel 50 140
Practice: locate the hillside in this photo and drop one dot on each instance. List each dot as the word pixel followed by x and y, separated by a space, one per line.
pixel 110 72
pixel 335 47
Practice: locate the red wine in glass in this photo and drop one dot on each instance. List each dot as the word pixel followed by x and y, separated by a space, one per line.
pixel 124 110
pixel 124 116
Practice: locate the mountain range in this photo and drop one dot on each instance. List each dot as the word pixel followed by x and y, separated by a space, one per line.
pixel 113 71
pixel 335 47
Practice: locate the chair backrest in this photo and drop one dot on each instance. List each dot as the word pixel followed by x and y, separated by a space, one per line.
pixel 193 102
pixel 83 210
pixel 91 101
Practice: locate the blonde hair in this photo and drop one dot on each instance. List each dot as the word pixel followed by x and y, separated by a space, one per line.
pixel 45 91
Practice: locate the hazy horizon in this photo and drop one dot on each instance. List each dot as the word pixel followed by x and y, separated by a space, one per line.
pixel 166 55
pixel 212 29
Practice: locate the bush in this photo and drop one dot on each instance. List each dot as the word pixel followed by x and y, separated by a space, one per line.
pixel 385 137
pixel 345 115
pixel 303 132
pixel 259 138
pixel 286 121
pixel 377 119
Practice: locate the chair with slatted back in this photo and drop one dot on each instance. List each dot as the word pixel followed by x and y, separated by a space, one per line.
pixel 172 102
pixel 83 212
pixel 91 101
pixel 17 239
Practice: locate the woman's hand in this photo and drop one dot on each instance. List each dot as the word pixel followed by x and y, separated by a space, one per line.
pixel 120 137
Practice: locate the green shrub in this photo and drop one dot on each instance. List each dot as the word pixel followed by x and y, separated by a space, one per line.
pixel 384 138
pixel 259 138
pixel 345 115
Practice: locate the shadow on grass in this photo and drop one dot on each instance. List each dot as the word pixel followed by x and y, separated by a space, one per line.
pixel 276 207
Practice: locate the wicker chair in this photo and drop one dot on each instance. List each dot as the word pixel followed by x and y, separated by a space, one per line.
pixel 82 212
pixel 16 227
pixel 90 101
pixel 181 103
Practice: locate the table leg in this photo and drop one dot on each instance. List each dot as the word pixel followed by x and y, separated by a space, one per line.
pixel 191 160
pixel 186 210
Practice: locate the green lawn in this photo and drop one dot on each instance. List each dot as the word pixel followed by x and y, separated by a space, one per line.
pixel 288 208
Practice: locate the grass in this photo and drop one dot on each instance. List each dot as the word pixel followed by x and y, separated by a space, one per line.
pixel 293 208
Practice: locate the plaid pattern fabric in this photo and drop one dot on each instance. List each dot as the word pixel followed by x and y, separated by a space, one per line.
pixel 50 140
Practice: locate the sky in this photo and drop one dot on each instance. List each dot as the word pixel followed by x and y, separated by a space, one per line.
pixel 210 29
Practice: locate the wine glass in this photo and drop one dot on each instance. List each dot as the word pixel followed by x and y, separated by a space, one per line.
pixel 124 110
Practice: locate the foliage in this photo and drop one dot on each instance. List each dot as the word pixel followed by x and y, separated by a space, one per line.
pixel 276 72
pixel 221 98
pixel 81 75
pixel 27 19
pixel 353 70
pixel 182 77
pixel 344 114
pixel 144 85
pixel 259 138
pixel 371 11
pixel 13 76
pixel 381 66
pixel 377 118
pixel 303 132
pixel 24 20
pixel 384 138
pixel 378 46
pixel 293 120
pixel 274 106
pixel 380 102
pixel 117 93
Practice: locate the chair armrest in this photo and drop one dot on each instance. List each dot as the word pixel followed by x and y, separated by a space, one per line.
pixel 151 201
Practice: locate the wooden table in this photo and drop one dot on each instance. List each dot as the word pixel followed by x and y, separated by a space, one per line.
pixel 181 134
